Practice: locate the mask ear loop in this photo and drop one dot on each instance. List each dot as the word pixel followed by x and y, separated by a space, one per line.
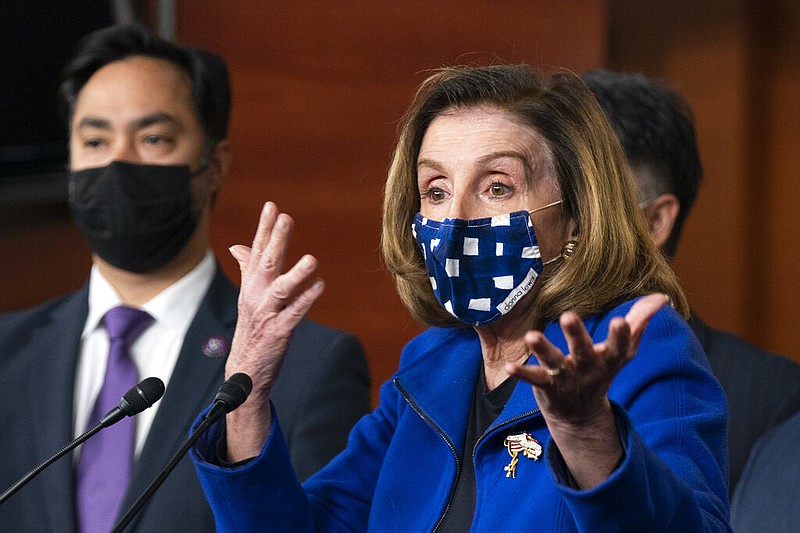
pixel 553 260
pixel 551 204
pixel 647 203
pixel 564 252
pixel 196 211
pixel 644 204
pixel 203 168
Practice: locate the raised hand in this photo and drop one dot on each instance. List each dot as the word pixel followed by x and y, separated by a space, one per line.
pixel 271 304
pixel 571 389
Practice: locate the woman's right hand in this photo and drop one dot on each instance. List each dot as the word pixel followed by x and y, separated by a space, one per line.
pixel 271 304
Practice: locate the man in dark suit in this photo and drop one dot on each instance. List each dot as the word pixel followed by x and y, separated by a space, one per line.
pixel 655 127
pixel 148 152
pixel 766 496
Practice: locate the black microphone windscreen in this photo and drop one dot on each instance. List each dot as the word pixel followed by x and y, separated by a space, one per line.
pixel 234 391
pixel 142 396
pixel 244 381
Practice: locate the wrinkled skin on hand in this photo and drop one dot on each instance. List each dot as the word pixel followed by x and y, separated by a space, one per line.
pixel 571 389
pixel 271 304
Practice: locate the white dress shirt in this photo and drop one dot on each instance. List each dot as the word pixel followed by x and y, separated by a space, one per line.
pixel 154 353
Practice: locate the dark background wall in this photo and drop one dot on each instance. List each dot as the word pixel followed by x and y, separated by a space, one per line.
pixel 320 86
pixel 738 63
pixel 318 90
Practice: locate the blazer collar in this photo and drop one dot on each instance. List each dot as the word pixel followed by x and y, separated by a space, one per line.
pixel 440 381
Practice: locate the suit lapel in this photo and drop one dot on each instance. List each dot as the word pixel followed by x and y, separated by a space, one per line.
pixel 55 349
pixel 194 382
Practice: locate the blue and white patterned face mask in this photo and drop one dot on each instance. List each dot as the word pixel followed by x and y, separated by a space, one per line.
pixel 480 268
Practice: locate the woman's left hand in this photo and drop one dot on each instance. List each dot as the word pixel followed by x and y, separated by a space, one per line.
pixel 571 390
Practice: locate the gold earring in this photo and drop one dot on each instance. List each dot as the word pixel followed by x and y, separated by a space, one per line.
pixel 568 249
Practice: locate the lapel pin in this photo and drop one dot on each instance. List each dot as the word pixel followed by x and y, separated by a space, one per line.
pixel 215 347
pixel 520 443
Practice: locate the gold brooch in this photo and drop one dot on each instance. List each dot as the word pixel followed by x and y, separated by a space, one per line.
pixel 522 442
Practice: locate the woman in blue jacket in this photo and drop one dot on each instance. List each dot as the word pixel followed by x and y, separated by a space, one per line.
pixel 511 226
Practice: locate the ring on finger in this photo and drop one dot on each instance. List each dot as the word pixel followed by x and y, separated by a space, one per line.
pixel 555 371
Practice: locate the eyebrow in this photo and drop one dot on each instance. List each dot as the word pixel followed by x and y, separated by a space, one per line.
pixel 139 123
pixel 482 160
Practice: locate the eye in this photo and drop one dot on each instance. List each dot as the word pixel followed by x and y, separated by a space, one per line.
pixel 156 139
pixel 498 189
pixel 433 194
pixel 93 143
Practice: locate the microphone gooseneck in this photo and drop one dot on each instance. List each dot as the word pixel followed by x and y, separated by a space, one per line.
pixel 137 399
pixel 232 393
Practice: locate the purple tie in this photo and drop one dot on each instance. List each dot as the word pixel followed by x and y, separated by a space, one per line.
pixel 104 464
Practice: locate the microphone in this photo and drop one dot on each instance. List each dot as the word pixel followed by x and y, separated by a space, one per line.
pixel 232 393
pixel 140 397
pixel 136 400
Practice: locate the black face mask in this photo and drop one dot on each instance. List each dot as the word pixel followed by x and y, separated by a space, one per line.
pixel 135 217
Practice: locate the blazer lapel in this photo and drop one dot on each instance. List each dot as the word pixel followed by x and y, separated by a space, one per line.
pixel 441 382
pixel 194 382
pixel 55 349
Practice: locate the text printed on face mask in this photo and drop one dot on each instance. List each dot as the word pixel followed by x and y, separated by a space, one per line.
pixel 521 290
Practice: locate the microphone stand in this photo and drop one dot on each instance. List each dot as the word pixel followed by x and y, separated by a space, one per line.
pixel 137 399
pixel 125 520
pixel 231 395
pixel 10 491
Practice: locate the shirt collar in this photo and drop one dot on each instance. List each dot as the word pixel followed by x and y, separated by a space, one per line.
pixel 174 306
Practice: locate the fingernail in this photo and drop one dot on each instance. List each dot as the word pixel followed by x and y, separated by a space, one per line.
pixel 234 251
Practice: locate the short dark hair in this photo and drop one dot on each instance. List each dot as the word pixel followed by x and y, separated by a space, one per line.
pixel 655 126
pixel 211 90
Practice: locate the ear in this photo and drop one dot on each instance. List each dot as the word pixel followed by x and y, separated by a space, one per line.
pixel 219 163
pixel 661 214
pixel 573 229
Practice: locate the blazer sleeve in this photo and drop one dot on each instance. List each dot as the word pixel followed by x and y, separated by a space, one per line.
pixel 338 498
pixel 671 414
pixel 236 494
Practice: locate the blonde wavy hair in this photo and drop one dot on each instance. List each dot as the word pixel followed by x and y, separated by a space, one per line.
pixel 615 259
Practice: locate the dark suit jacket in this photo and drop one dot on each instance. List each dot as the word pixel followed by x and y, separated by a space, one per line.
pixel 323 390
pixel 762 389
pixel 767 496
